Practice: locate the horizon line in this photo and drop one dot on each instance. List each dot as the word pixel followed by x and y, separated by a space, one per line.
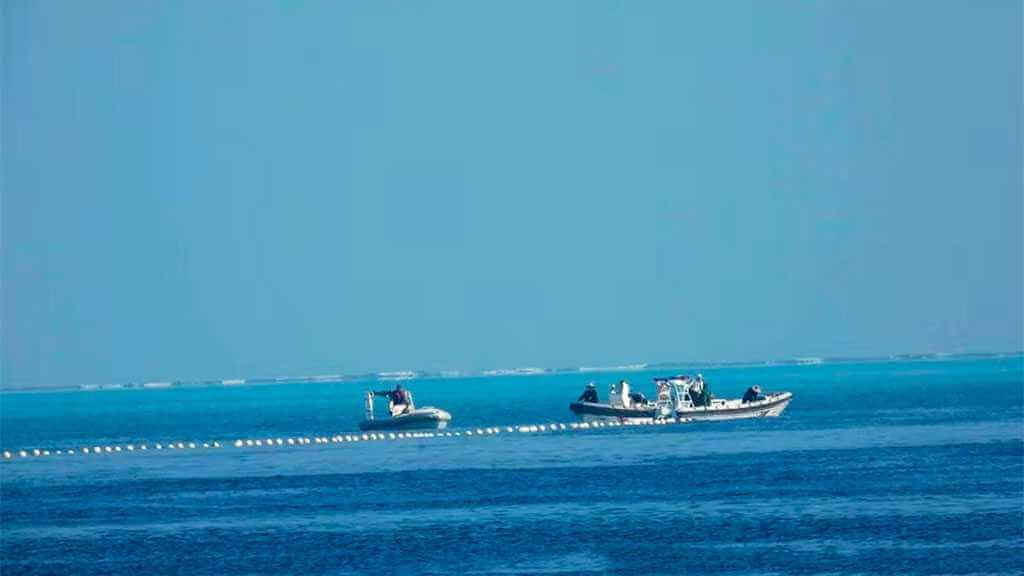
pixel 400 375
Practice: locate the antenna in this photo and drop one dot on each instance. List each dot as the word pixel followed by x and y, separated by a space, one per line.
pixel 369 405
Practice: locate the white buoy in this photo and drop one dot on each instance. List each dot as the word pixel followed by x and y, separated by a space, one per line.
pixel 130 447
pixel 23 454
pixel 7 455
pixel 46 452
pixel 291 441
pixel 58 452
pixel 216 444
pixel 542 428
pixel 117 448
pixel 71 450
pixel 206 444
pixel 36 452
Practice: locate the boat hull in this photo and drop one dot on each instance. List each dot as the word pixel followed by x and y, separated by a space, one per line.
pixel 773 405
pixel 419 419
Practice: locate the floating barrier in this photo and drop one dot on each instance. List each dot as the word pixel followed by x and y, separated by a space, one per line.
pixel 254 443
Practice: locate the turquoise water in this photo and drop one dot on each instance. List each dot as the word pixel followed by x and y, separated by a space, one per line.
pixel 875 468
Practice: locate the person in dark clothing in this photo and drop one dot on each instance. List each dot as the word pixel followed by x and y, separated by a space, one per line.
pixel 589 394
pixel 753 394
pixel 398 399
pixel 699 393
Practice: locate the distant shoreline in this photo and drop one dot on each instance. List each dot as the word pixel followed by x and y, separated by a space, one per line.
pixel 403 375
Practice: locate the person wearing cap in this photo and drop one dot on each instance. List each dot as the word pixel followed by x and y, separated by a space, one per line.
pixel 699 392
pixel 589 394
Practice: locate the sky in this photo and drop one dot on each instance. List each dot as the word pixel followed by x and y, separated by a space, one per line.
pixel 223 189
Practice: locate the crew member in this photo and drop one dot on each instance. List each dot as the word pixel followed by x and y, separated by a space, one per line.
pixel 699 394
pixel 589 394
pixel 753 394
pixel 399 401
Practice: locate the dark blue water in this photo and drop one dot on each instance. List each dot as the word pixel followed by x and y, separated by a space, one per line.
pixel 882 468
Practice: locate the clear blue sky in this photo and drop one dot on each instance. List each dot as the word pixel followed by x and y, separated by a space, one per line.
pixel 220 189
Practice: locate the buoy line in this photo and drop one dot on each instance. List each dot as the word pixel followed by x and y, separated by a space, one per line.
pixel 335 439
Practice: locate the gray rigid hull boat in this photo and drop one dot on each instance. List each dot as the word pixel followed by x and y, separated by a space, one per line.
pixel 405 416
pixel 678 397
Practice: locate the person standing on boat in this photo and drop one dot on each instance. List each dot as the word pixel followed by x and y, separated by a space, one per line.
pixel 399 400
pixel 699 394
pixel 664 394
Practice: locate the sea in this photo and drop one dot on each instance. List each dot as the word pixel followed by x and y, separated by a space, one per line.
pixel 876 467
